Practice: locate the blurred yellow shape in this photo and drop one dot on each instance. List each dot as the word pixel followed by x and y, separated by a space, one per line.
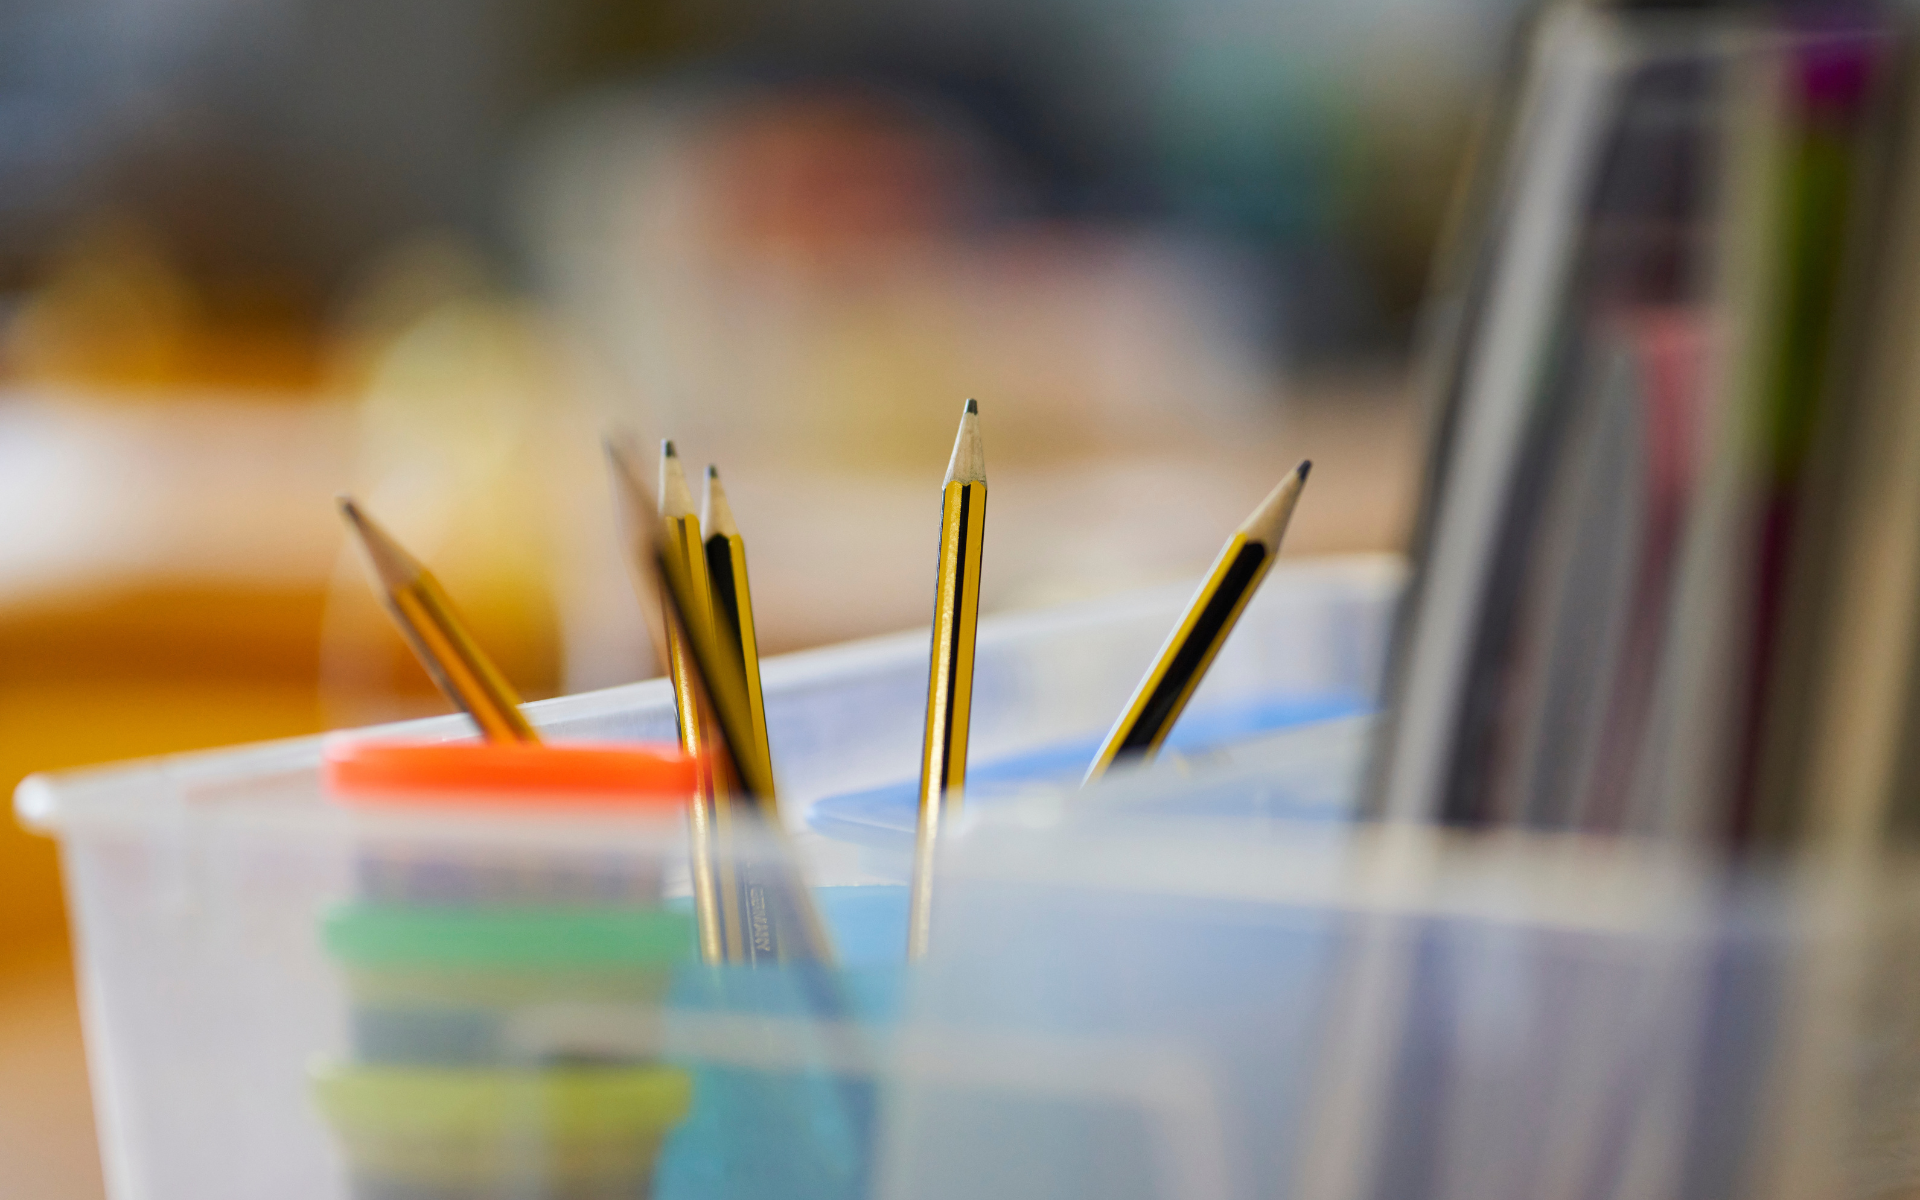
pixel 117 313
pixel 92 678
pixel 462 398
pixel 114 312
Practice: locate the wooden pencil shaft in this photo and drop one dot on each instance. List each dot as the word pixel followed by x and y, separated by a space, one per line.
pixel 1209 618
pixel 943 764
pixel 723 901
pixel 680 562
pixel 764 912
pixel 1183 662
pixel 457 663
pixel 943 767
pixel 431 656
pixel 694 730
pixel 436 634
pixel 1190 663
pixel 733 627
pixel 707 665
pixel 715 911
pixel 718 910
pixel 718 907
pixel 711 913
pixel 703 867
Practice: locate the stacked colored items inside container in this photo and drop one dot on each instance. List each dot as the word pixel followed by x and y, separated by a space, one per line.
pixel 462 1085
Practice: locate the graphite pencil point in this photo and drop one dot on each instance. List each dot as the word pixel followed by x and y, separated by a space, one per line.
pixel 716 514
pixel 969 461
pixel 1267 524
pixel 395 567
pixel 425 615
pixel 676 498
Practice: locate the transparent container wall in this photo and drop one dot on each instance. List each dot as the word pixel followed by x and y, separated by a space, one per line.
pixel 1167 987
pixel 247 1038
pixel 849 718
pixel 310 1004
pixel 1125 1006
pixel 206 995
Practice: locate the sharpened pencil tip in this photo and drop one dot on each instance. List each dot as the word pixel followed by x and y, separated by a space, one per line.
pixel 1267 523
pixel 1305 468
pixel 676 499
pixel 667 450
pixel 354 515
pixel 716 515
pixel 969 461
pixel 395 567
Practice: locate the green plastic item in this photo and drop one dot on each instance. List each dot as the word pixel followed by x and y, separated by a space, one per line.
pixel 370 935
pixel 415 986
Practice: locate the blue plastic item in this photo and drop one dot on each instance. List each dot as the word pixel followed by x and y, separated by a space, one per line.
pixel 884 817
pixel 804 1131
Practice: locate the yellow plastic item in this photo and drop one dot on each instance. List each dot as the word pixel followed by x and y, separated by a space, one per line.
pixel 472 1127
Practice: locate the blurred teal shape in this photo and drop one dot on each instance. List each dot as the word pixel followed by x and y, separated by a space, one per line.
pixel 790 1112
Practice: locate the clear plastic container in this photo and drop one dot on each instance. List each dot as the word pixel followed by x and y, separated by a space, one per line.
pixel 1136 1002
pixel 1156 989
pixel 253 1030
pixel 1199 980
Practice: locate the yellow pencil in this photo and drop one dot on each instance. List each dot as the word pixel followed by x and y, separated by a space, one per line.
pixel 716 915
pixel 1203 629
pixel 766 913
pixel 956 615
pixel 733 609
pixel 680 538
pixel 439 638
pixel 682 570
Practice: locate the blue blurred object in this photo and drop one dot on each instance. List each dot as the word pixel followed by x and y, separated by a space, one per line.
pixel 869 928
pixel 793 1115
pixel 884 817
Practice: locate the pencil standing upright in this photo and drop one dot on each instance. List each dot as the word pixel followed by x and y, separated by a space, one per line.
pixel 956 615
pixel 1183 661
pixel 439 638
pixel 760 910
pixel 718 920
pixel 733 613
pixel 681 526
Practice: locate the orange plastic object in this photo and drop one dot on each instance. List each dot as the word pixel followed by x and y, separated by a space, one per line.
pixel 506 773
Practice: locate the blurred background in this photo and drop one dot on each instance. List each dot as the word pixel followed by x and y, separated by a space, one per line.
pixel 255 254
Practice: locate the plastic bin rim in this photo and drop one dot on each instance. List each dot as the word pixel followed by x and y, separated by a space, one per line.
pixel 119 793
